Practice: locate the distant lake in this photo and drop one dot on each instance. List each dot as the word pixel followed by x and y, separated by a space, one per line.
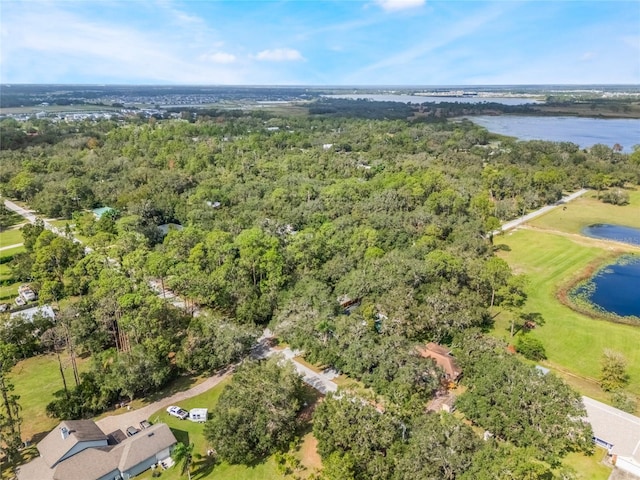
pixel 418 99
pixel 584 132
pixel 614 232
pixel 616 288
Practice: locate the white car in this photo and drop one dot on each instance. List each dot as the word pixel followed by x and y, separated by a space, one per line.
pixel 177 412
pixel 20 301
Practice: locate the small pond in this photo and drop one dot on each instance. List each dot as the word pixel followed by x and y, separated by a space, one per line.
pixel 615 288
pixel 613 232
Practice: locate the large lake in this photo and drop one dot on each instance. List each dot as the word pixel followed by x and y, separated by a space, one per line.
pixel 418 99
pixel 585 132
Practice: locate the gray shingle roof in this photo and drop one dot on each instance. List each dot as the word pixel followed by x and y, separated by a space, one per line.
pixel 614 426
pixel 89 464
pixel 143 445
pixel 53 447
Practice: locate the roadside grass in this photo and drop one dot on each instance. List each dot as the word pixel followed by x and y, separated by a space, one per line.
pixel 587 210
pixel 573 341
pixel 12 236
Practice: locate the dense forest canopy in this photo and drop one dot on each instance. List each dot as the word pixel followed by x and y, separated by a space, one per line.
pixel 354 239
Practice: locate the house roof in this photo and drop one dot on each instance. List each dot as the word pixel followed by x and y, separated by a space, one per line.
pixel 443 358
pixel 98 212
pixel 88 464
pixel 615 427
pixel 143 445
pixel 93 462
pixel 45 310
pixel 53 447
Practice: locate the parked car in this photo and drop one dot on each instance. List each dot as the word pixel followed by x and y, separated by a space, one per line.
pixel 20 301
pixel 4 307
pixel 131 431
pixel 177 412
pixel 145 424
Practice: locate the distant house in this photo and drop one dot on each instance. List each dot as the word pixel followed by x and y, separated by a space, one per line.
pixel 79 450
pixel 443 359
pixel 30 313
pixel 99 212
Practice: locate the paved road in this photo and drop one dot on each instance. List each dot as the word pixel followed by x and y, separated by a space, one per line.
pixel 519 221
pixel 31 217
pixel 9 247
pixel 320 381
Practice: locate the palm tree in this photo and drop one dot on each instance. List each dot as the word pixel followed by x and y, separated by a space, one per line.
pixel 182 455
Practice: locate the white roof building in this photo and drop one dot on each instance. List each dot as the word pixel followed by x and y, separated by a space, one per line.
pixel 617 431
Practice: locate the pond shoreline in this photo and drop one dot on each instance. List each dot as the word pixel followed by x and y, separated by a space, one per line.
pixel 564 296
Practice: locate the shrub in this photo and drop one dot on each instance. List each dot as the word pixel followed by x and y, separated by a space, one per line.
pixel 531 348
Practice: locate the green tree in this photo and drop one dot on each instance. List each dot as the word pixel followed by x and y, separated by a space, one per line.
pixel 10 420
pixel 517 403
pixel 440 447
pixel 182 455
pixel 500 461
pixel 257 413
pixel 613 373
pixel 360 436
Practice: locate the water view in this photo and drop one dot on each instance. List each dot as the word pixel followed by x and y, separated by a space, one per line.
pixel 418 99
pixel 615 288
pixel 584 132
pixel 613 232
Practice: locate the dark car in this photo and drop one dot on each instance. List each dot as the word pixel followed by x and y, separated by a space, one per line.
pixel 131 431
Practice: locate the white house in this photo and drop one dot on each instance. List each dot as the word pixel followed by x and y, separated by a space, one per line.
pixel 79 450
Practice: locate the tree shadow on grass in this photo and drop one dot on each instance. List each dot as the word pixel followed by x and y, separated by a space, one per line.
pixel 204 467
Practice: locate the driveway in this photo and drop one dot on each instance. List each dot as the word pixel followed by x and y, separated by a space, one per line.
pixel 519 221
pixel 134 417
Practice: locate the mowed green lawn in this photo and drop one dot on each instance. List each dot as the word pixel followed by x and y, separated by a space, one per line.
pixel 587 210
pixel 572 340
pixel 12 236
pixel 8 288
pixel 36 380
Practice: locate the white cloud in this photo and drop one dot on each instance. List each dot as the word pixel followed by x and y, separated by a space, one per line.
pixel 219 57
pixel 280 55
pixel 586 56
pixel 395 5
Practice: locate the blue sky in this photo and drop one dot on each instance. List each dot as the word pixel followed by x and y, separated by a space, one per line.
pixel 314 42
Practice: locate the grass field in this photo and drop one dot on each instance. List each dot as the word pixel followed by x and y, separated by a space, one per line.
pixel 552 254
pixel 36 379
pixel 588 210
pixel 572 340
pixel 8 288
pixel 11 236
